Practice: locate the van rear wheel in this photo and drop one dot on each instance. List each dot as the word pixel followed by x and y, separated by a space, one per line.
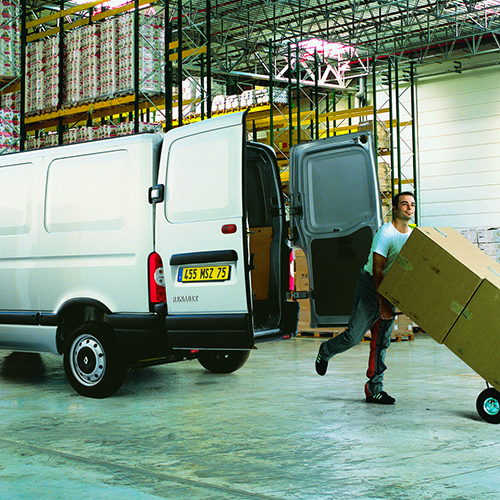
pixel 223 361
pixel 92 361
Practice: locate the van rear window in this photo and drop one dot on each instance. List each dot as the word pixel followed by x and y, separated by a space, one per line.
pixel 204 177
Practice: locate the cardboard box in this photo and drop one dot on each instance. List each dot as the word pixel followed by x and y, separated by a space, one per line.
pixel 402 325
pixel 475 337
pixel 301 276
pixel 435 275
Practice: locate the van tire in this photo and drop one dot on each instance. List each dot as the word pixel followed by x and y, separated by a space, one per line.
pixel 92 361
pixel 223 361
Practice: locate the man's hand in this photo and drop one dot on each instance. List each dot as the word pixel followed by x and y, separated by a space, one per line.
pixel 379 263
pixel 386 310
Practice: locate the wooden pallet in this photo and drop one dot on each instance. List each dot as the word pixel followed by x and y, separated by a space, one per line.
pixel 367 338
pixel 318 334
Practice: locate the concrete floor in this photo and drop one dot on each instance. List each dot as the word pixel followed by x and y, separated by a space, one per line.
pixel 272 430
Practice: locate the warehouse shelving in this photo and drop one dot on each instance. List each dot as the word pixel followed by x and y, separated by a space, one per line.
pixel 10 27
pixel 320 98
pixel 120 106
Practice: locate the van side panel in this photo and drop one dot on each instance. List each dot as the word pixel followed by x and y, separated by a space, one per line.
pixel 96 230
pixel 29 338
pixel 18 229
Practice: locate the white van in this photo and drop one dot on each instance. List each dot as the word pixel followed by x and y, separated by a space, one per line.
pixel 155 248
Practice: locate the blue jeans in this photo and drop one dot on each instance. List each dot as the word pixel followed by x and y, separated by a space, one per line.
pixel 365 315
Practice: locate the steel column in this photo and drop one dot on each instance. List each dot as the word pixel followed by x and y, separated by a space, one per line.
pixel 168 69
pixel 22 111
pixel 136 66
pixel 179 59
pixel 398 124
pixel 414 137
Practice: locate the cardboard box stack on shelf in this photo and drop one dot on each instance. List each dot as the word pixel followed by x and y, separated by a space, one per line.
pixel 10 58
pixel 451 289
pixel 383 137
pixel 384 177
pixel 486 239
pixel 108 61
pixel 72 67
pixel 9 123
pixel 90 62
pixel 35 80
pixel 301 284
pixel 151 53
pixel 403 328
pixel 50 72
pixel 10 52
pixel 98 62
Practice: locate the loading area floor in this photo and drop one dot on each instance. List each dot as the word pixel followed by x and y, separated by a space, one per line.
pixel 273 430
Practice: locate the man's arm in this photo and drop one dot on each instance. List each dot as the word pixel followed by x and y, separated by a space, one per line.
pixel 379 263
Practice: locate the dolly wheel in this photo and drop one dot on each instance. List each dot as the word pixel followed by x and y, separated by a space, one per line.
pixel 488 405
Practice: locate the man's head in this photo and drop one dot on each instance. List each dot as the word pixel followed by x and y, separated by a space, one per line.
pixel 403 205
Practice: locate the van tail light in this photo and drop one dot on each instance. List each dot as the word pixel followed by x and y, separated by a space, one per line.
pixel 157 293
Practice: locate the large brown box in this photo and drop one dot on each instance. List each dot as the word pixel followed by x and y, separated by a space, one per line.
pixel 435 275
pixel 475 337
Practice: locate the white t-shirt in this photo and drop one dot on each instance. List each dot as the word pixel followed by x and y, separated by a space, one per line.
pixel 388 242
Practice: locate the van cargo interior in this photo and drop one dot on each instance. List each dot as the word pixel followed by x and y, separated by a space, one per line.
pixel 263 203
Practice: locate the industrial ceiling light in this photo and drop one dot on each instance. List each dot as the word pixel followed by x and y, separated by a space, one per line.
pixel 328 50
pixel 110 4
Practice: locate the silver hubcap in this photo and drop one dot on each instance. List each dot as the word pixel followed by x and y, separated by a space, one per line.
pixel 88 360
pixel 491 406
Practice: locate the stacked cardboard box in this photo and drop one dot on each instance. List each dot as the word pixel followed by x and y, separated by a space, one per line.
pixel 108 68
pixel 10 54
pixel 9 122
pixel 80 134
pixel 9 127
pixel 486 238
pixel 126 53
pixel 403 325
pixel 152 54
pixel 90 62
pixel 35 84
pixel 50 72
pixel 301 284
pixel 384 177
pixel 98 61
pixel 72 66
pixel 150 48
pixel 383 137
pixel 451 289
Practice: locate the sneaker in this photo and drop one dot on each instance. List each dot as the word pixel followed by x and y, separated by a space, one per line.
pixel 381 398
pixel 321 365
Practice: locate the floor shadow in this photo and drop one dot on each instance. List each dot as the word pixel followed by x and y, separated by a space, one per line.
pixel 23 366
pixel 469 415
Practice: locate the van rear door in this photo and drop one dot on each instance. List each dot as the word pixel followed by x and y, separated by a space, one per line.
pixel 201 235
pixel 335 212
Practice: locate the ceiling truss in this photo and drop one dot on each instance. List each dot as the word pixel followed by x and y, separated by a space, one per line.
pixel 245 33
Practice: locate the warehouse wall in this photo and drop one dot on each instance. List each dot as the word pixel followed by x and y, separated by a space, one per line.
pixel 459 149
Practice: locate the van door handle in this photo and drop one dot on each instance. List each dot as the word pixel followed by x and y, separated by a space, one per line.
pixel 251 265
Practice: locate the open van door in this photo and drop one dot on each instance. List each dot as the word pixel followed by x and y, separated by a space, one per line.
pixel 335 212
pixel 201 235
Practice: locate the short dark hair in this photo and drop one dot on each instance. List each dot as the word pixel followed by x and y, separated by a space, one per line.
pixel 395 200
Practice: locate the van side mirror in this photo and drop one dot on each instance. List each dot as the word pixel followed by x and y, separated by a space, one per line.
pixel 156 194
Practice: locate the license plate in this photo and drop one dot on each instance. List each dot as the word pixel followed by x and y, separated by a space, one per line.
pixel 209 273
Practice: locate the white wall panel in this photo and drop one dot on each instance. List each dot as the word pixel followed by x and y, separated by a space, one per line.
pixel 459 149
